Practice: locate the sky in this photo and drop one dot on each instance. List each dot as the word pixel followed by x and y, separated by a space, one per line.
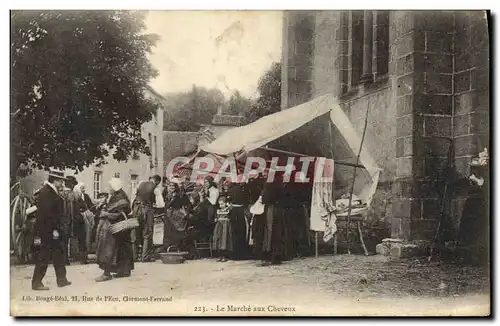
pixel 229 50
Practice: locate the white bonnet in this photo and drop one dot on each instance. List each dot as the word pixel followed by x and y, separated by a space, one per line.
pixel 115 184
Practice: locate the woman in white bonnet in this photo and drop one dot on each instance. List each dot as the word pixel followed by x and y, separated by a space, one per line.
pixel 114 251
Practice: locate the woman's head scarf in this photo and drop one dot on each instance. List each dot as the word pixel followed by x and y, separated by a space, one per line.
pixel 115 184
pixel 78 188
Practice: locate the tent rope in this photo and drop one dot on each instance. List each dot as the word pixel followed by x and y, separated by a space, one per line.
pixel 354 181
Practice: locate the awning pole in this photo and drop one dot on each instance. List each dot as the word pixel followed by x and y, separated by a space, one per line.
pixel 316 244
pixel 354 180
pixel 357 165
pixel 330 131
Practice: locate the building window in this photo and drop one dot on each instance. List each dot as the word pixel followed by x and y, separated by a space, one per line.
pixel 364 42
pixel 380 44
pixel 156 150
pixel 133 185
pixel 356 36
pixel 97 183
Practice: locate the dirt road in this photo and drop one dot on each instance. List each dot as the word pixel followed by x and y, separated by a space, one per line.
pixel 329 286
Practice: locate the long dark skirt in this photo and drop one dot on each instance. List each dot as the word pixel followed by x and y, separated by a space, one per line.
pixel 258 226
pixel 274 234
pixel 114 251
pixel 174 228
pixel 239 226
pixel 294 231
pixel 202 219
pixel 223 236
pixel 474 221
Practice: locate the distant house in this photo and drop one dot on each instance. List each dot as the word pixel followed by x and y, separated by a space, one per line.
pixel 140 167
pixel 220 123
pixel 182 143
pixel 179 143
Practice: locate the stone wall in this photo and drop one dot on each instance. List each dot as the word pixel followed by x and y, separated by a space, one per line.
pixel 330 59
pixel 470 100
pixel 441 74
pixel 423 61
pixel 432 106
pixel 298 48
pixel 327 58
pixel 327 53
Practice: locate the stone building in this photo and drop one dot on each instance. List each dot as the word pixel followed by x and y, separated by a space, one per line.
pixel 424 79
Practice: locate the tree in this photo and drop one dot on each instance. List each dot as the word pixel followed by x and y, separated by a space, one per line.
pixel 238 104
pixel 187 111
pixel 78 87
pixel 269 88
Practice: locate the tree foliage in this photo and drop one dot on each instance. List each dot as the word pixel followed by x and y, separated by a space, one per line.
pixel 78 81
pixel 269 88
pixel 187 111
pixel 238 105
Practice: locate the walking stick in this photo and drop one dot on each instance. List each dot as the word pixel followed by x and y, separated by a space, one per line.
pixel 448 174
pixel 68 249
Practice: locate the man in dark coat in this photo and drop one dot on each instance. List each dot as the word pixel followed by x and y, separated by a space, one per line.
pixel 83 222
pixel 50 230
pixel 148 198
pixel 272 229
pixel 70 210
pixel 239 200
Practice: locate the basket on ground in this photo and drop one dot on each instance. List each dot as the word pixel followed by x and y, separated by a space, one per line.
pixel 170 257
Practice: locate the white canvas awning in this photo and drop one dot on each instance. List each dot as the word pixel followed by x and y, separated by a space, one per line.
pixel 269 128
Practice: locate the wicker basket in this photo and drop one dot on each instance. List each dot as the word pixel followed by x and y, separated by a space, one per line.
pixel 173 257
pixel 127 224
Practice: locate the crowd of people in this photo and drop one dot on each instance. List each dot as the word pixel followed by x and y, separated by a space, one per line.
pixel 221 214
pixel 216 213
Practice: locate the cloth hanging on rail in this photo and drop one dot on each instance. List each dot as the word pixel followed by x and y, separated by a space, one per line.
pixel 322 217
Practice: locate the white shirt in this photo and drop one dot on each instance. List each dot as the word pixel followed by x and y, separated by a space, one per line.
pixel 213 195
pixel 159 202
pixel 52 186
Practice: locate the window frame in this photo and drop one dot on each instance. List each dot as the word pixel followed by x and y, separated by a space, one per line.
pixel 134 183
pixel 155 140
pixel 150 139
pixel 351 85
pixel 97 181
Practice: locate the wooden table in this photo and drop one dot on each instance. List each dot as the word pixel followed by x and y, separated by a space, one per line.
pixel 357 216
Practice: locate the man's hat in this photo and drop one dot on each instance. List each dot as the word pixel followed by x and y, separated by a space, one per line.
pixel 71 180
pixel 57 174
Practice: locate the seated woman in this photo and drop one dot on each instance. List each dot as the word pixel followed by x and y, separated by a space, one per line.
pixel 176 217
pixel 203 213
pixel 198 227
pixel 114 251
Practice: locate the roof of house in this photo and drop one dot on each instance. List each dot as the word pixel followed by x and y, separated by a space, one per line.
pixel 157 95
pixel 228 120
pixel 179 143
